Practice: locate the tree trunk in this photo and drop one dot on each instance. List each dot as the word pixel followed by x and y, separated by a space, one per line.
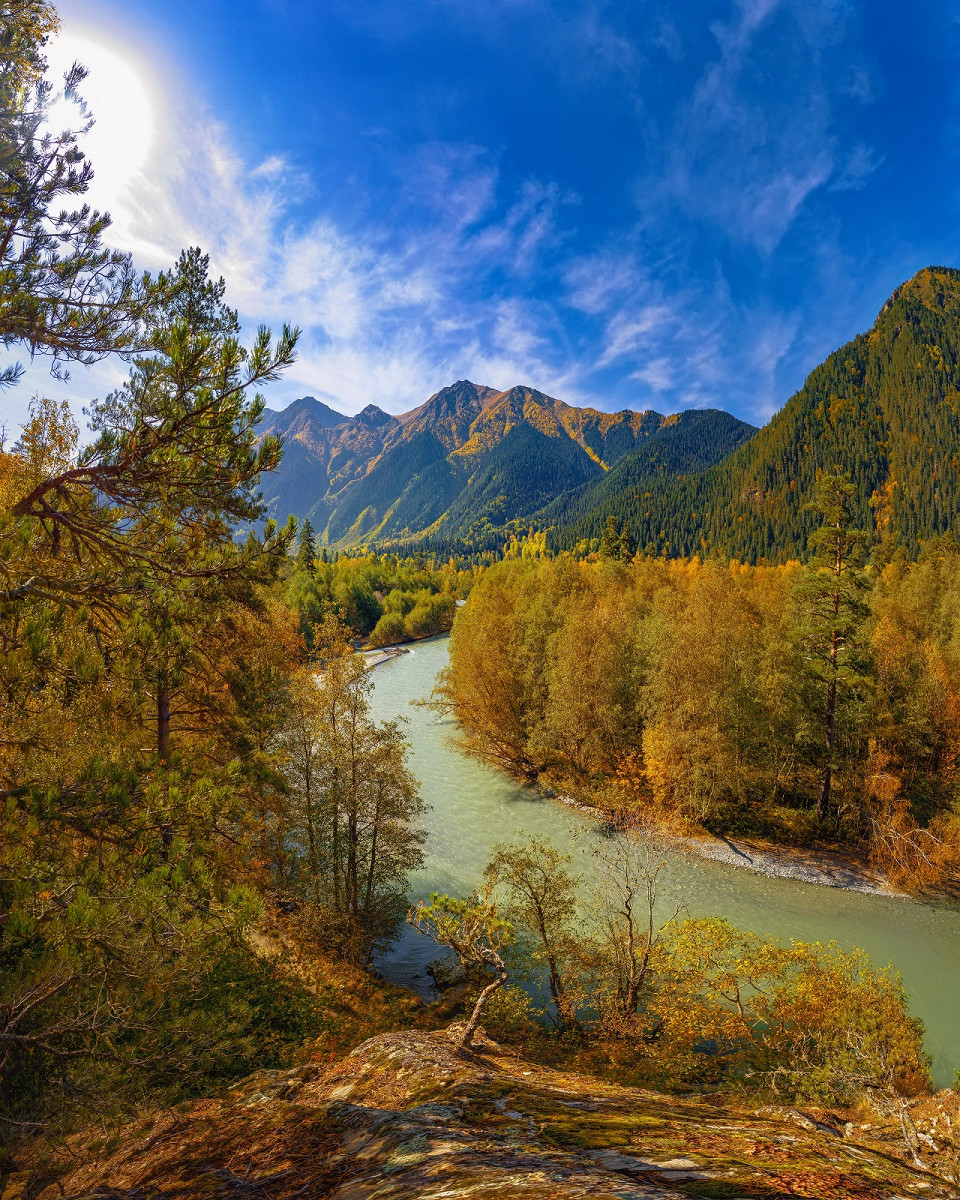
pixel 830 715
pixel 163 722
pixel 163 748
pixel 471 1029
pixel 554 973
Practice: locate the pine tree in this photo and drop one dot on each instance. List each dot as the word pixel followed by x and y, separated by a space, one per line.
pixel 610 539
pixel 62 292
pixel 119 564
pixel 307 550
pixel 831 598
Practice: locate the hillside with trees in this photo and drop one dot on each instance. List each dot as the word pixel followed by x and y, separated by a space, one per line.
pixel 884 409
pixel 801 702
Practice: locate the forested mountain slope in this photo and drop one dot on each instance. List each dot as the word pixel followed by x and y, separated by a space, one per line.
pixel 885 408
pixel 469 457
pixel 688 443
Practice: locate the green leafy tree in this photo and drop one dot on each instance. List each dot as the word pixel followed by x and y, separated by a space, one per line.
pixel 352 834
pixel 477 934
pixel 541 902
pixel 181 598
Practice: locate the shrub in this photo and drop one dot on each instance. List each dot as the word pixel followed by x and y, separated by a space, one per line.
pixel 389 629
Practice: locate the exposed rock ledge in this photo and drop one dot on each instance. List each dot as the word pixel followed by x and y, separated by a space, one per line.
pixel 404 1118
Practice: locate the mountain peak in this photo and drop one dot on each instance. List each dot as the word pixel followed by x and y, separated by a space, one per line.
pixel 304 416
pixel 372 415
pixel 933 287
pixel 458 402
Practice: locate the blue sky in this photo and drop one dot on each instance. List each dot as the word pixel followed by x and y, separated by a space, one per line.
pixel 625 204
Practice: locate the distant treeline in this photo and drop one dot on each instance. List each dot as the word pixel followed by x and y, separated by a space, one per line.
pixel 385 597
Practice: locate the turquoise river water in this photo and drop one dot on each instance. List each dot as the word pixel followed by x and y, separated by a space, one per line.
pixel 473 807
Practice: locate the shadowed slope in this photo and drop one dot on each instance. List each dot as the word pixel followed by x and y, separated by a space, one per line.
pixel 470 455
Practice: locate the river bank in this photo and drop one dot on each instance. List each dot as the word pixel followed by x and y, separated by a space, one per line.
pixel 820 865
pixel 376 658
pixel 829 868
pixel 825 867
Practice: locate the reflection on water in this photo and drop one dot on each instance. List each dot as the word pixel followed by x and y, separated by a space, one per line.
pixel 473 807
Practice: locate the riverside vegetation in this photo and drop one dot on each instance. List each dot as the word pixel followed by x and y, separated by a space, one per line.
pixel 383 598
pixel 673 1003
pixel 802 702
pixel 205 834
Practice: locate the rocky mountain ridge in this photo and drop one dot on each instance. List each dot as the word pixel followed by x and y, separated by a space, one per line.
pixel 469 456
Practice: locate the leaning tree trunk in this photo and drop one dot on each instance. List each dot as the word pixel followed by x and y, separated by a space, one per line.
pixel 467 1038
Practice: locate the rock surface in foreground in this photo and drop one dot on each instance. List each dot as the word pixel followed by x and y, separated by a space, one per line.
pixel 404 1118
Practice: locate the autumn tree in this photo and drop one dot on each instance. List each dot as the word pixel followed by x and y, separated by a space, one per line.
pixel 630 930
pixel 497 683
pixel 352 836
pixel 912 770
pixel 808 1022
pixel 540 904
pixel 718 701
pixel 594 668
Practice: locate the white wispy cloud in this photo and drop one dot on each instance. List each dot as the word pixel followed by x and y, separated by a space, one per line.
pixel 386 317
pixel 758 135
pixel 462 273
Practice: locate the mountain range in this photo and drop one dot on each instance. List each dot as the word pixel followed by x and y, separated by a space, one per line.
pixel 885 408
pixel 469 460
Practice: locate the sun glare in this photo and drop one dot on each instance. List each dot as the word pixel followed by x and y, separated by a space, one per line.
pixel 124 112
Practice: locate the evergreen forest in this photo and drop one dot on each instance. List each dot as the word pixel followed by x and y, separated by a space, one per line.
pixel 883 409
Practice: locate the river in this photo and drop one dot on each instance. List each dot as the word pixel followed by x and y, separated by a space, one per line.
pixel 473 807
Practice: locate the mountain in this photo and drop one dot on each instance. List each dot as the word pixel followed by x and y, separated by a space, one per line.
pixel 302 419
pixel 688 443
pixel 885 408
pixel 469 457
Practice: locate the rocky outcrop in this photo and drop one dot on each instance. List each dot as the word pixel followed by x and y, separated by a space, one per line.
pixel 404 1118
